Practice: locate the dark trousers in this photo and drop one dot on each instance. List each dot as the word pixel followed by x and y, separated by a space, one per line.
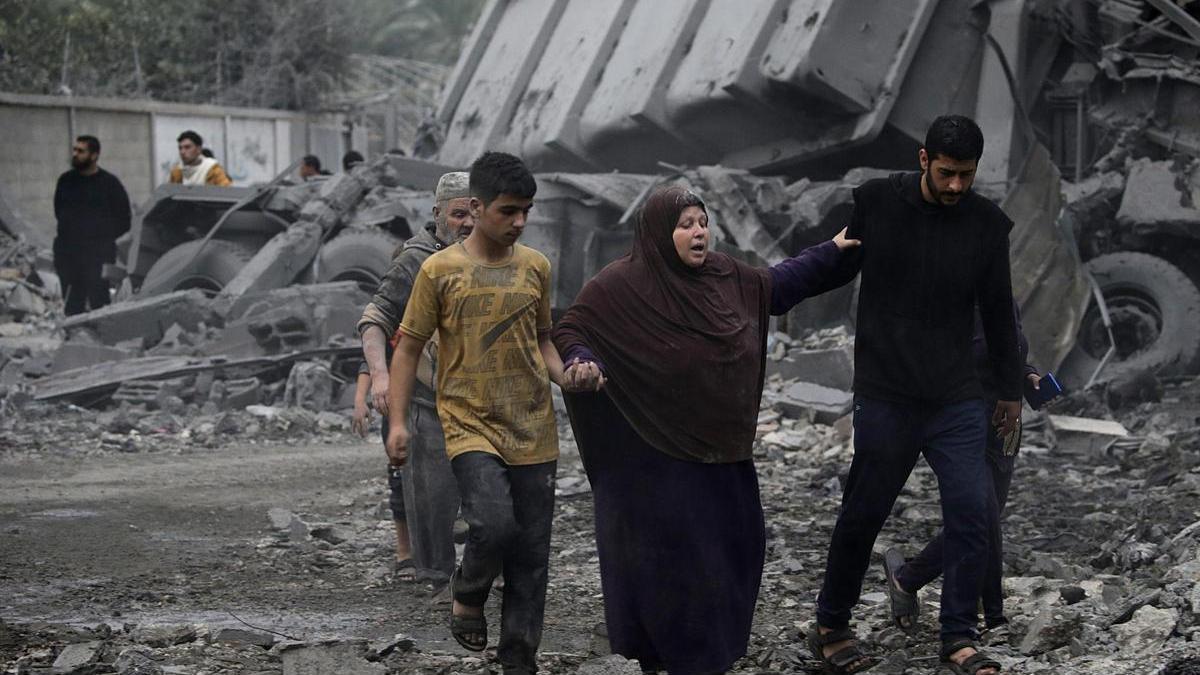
pixel 429 496
pixel 78 269
pixel 927 566
pixel 508 509
pixel 888 439
pixel 395 481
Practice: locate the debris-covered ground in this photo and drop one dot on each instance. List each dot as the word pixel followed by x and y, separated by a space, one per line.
pixel 144 548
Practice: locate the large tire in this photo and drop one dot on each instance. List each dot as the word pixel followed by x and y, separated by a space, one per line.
pixel 216 265
pixel 362 256
pixel 1155 310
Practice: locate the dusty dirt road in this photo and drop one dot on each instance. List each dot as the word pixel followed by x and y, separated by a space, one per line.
pixel 177 539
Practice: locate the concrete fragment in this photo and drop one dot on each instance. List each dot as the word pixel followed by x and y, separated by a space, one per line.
pixel 333 534
pixel 238 636
pixel 145 319
pixel 281 519
pixel 319 214
pixel 20 300
pixel 341 191
pixel 1085 435
pixel 1051 629
pixel 235 394
pixel 135 661
pixel 1147 631
pixel 330 658
pixel 276 264
pixel 81 355
pixel 1152 197
pixel 613 664
pixel 328 421
pixel 75 658
pixel 826 404
pixel 309 385
pixel 163 636
pixel 832 368
pixel 295 317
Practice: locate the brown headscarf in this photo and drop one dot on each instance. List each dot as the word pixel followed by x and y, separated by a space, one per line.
pixel 683 348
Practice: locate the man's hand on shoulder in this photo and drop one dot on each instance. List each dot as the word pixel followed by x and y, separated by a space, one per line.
pixel 843 242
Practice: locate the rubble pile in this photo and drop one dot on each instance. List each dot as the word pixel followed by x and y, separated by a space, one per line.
pixel 26 305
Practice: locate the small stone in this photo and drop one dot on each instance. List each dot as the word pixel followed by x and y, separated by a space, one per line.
pixel 1072 594
pixel 281 519
pixel 333 534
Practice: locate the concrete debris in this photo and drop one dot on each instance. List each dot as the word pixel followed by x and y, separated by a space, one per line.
pixel 239 636
pixel 77 658
pixel 823 404
pixel 1147 631
pixel 329 658
pixel 1152 198
pixel 163 636
pixel 310 385
pixel 1085 436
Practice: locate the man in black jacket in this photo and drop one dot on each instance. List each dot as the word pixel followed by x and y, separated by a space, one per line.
pixel 931 251
pixel 92 210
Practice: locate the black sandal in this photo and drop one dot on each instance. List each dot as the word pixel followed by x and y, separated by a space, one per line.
pixel 462 626
pixel 844 660
pixel 904 604
pixel 405 571
pixel 972 664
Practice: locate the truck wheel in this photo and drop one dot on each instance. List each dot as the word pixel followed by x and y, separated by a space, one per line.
pixel 360 256
pixel 1155 312
pixel 216 265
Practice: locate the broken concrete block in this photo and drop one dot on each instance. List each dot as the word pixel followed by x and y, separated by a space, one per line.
pixel 1147 631
pixel 832 368
pixel 145 319
pixel 309 385
pixel 341 191
pixel 281 519
pixel 330 658
pixel 275 265
pixel 238 636
pixel 81 355
pixel 163 636
pixel 825 403
pixel 1152 197
pixel 135 661
pixel 21 301
pixel 319 214
pixel 75 658
pixel 1085 435
pixel 235 394
pixel 1052 628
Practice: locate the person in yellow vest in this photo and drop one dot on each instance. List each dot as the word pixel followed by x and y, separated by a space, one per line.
pixel 195 168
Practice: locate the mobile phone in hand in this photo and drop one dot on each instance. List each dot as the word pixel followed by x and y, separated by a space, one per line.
pixel 1048 390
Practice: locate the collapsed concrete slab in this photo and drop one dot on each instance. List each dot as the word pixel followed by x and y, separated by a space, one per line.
pixel 1084 435
pixel 1153 198
pixel 146 319
pixel 832 368
pixel 291 318
pixel 71 355
pixel 329 658
pixel 275 265
pixel 825 404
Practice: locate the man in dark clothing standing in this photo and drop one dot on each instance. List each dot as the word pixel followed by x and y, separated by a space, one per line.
pixel 92 210
pixel 931 251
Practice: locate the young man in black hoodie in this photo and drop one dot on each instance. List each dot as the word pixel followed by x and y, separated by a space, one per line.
pixel 92 210
pixel 931 251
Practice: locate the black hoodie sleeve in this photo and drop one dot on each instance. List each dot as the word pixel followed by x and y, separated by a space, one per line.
pixel 122 214
pixel 994 293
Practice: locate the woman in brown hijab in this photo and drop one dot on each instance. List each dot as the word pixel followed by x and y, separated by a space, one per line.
pixel 680 334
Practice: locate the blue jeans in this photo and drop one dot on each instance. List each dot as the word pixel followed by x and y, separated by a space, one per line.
pixel 888 439
pixel 927 565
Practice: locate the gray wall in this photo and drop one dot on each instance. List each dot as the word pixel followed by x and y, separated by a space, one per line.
pixel 138 144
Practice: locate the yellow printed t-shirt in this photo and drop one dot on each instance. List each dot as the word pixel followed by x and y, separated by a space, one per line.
pixel 493 390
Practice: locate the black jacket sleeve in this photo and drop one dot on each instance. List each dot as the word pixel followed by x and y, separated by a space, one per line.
pixel 121 215
pixel 994 293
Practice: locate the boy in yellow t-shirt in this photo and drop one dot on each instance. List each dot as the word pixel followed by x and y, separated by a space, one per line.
pixel 488 300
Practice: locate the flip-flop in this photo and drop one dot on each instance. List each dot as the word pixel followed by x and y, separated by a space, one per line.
pixel 905 606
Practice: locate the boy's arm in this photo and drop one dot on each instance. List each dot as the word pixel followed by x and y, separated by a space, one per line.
pixel 402 375
pixel 553 361
pixel 576 377
pixel 358 422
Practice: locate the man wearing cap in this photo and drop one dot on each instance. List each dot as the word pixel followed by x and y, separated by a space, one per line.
pixel 425 500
